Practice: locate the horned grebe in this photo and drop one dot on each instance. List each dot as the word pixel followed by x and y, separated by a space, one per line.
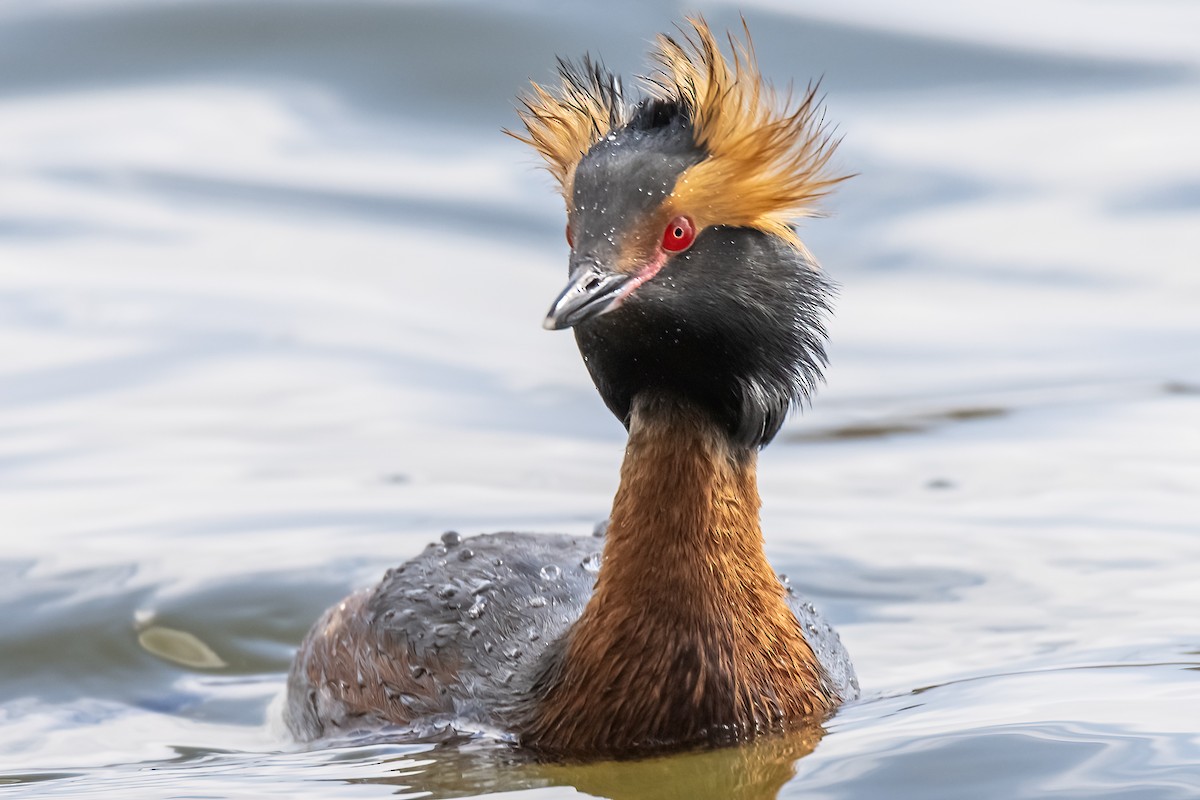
pixel 700 316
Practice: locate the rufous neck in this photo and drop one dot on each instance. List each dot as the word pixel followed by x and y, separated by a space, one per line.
pixel 685 519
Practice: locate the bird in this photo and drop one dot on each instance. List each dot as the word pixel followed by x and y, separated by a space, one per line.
pixel 701 318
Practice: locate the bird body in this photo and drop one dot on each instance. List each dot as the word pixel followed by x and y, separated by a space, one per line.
pixel 700 317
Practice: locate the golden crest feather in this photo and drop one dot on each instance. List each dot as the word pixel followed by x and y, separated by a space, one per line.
pixel 766 159
pixel 564 124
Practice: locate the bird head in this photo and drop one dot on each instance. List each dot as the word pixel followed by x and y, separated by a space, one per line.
pixel 687 278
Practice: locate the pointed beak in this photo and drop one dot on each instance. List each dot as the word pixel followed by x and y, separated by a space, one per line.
pixel 591 291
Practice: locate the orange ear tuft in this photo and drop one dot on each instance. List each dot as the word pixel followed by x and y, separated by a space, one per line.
pixel 767 161
pixel 563 125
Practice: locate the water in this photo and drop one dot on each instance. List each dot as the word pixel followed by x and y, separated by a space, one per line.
pixel 271 285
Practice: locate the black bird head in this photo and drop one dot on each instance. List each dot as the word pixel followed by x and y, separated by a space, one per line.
pixel 687 279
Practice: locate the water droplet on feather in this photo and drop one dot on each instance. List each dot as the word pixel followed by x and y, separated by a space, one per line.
pixel 476 609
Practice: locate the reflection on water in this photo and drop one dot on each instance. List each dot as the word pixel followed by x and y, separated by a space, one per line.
pixel 271 285
pixel 759 770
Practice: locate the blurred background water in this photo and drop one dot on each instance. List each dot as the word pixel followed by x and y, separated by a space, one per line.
pixel 271 284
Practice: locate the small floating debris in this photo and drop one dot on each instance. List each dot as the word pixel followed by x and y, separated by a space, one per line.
pixel 1181 387
pixel 179 647
pixel 918 423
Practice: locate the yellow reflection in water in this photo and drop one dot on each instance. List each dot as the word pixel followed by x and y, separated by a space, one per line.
pixel 754 771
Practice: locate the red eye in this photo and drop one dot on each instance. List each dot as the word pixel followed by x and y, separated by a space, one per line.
pixel 570 238
pixel 679 235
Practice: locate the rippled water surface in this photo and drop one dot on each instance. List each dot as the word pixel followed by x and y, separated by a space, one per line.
pixel 271 282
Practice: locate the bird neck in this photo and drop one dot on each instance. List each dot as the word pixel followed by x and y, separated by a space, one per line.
pixel 688 636
pixel 684 524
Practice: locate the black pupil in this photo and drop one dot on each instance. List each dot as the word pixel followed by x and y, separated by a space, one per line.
pixel 679 233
